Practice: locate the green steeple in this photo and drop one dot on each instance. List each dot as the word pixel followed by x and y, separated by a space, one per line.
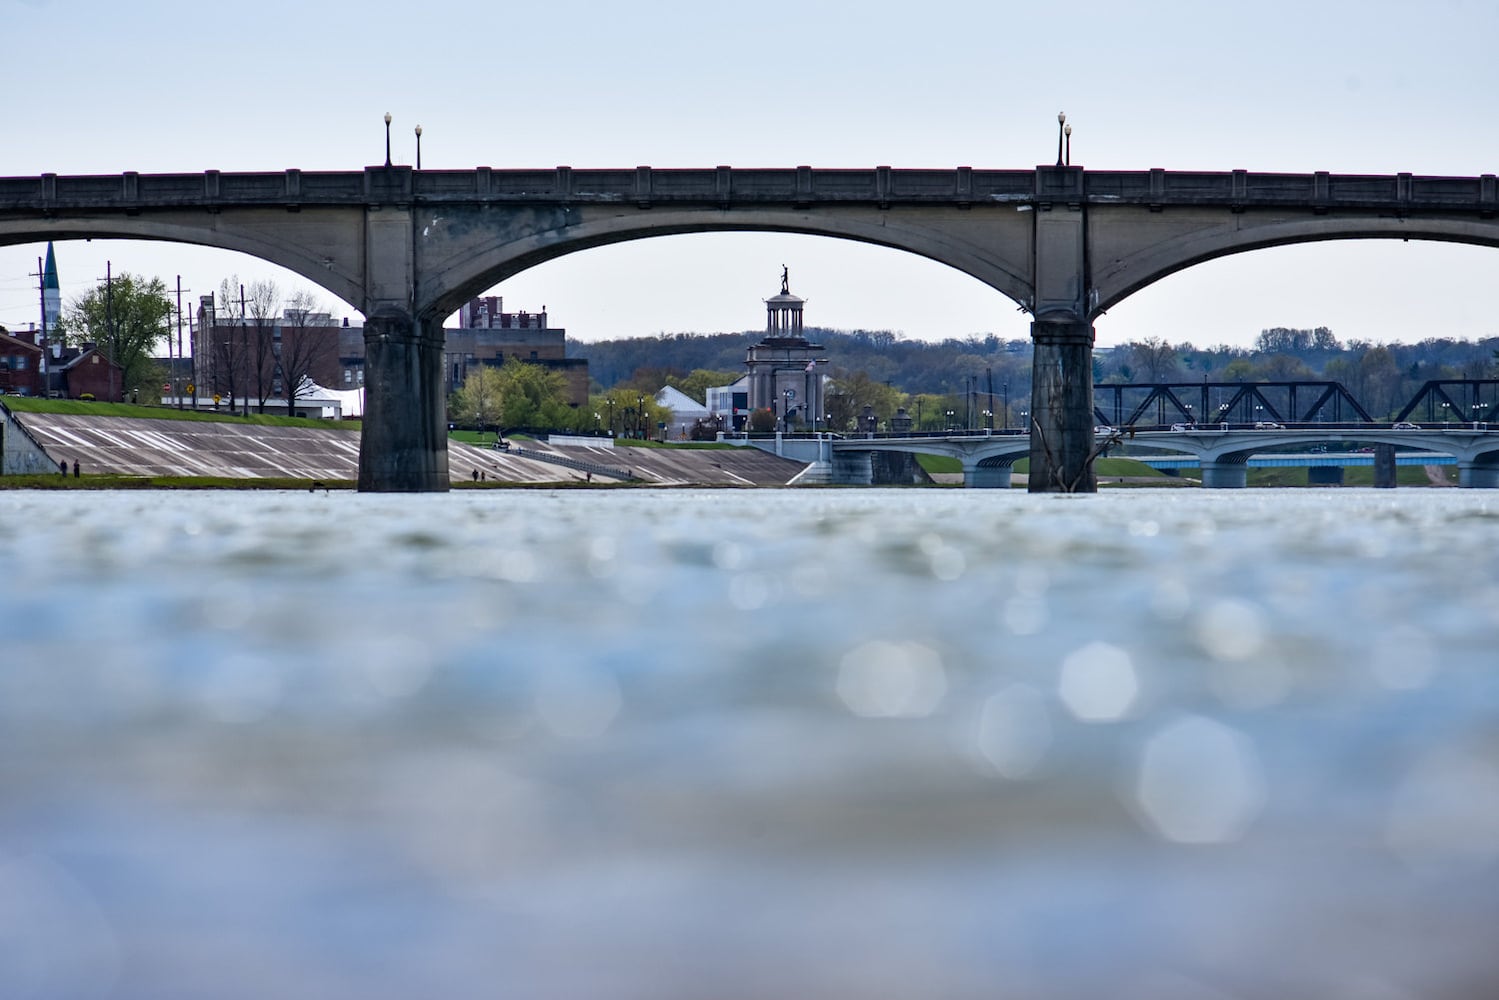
pixel 50 271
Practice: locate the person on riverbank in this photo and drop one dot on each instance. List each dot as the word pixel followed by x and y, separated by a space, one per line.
pixel 75 468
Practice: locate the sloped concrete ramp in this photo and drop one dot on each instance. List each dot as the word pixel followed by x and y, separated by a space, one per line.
pixel 126 446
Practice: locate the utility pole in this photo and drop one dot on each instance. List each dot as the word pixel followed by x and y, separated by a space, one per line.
pixel 192 338
pixel 989 374
pixel 41 287
pixel 244 343
pixel 109 322
pixel 176 372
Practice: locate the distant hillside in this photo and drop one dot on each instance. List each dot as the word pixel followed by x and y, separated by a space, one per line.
pixel 909 365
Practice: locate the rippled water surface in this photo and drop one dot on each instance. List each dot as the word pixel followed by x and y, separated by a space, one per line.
pixel 659 744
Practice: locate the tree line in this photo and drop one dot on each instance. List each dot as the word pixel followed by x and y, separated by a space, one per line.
pixel 985 381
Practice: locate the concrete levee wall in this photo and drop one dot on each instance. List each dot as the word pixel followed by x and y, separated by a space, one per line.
pixel 20 454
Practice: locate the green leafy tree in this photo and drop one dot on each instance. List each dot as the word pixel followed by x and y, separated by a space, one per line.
pixel 127 318
pixel 477 402
pixel 850 392
pixel 629 413
pixel 697 384
pixel 533 396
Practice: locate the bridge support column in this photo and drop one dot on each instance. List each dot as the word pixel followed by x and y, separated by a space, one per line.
pixel 1062 408
pixel 853 468
pixel 1384 467
pixel 986 477
pixel 1224 475
pixel 1478 475
pixel 404 447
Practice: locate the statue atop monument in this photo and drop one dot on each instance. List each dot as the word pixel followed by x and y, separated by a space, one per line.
pixel 785 280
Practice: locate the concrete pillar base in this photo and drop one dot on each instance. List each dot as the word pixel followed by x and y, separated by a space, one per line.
pixel 1478 477
pixel 852 468
pixel 1062 408
pixel 1223 476
pixel 1384 467
pixel 987 477
pixel 404 447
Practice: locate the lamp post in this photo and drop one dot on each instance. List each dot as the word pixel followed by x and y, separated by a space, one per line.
pixel 1067 131
pixel 419 147
pixel 1007 406
pixel 387 138
pixel 1061 124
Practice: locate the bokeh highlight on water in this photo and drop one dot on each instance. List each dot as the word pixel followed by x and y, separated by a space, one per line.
pixel 688 743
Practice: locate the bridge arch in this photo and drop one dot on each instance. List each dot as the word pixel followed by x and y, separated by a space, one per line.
pixel 998 263
pixel 1116 280
pixel 333 267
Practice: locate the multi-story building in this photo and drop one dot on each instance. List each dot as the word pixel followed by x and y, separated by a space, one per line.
pixel 244 357
pixel 488 335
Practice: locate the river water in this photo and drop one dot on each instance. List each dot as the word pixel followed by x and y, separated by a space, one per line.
pixel 742 744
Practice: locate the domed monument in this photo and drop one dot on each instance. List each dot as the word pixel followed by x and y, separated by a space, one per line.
pixel 783 375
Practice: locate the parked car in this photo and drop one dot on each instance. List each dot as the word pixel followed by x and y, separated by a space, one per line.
pixel 1269 425
pixel 1405 425
pixel 1184 427
pixel 1104 430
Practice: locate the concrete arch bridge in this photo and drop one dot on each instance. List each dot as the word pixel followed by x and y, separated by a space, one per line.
pixel 988 458
pixel 407 247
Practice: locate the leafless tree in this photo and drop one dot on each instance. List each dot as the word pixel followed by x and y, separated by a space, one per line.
pixel 308 342
pixel 228 342
pixel 262 311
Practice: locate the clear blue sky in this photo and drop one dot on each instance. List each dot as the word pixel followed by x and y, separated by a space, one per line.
pixel 1369 87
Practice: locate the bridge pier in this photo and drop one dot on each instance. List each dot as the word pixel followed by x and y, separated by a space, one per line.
pixel 986 477
pixel 1478 475
pixel 404 447
pixel 1062 408
pixel 1224 475
pixel 1384 467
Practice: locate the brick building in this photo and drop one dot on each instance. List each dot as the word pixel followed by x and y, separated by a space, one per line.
pixel 27 368
pixel 230 358
pixel 21 367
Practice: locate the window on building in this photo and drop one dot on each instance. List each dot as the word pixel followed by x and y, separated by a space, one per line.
pixel 361 376
pixel 348 375
pixel 19 363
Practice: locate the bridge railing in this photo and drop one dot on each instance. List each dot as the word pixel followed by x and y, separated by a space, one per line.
pixel 798 185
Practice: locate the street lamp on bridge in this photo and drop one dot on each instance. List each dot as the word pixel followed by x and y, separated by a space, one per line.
pixel 418 147
pixel 1068 132
pixel 387 138
pixel 1061 125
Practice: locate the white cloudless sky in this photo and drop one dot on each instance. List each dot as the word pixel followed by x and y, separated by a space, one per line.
pixel 1372 87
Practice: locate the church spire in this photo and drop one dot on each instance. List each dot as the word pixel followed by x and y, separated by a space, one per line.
pixel 51 293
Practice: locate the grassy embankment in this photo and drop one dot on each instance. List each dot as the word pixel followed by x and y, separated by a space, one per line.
pixel 1108 467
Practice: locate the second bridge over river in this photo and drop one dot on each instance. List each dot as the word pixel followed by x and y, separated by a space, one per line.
pixel 988 457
